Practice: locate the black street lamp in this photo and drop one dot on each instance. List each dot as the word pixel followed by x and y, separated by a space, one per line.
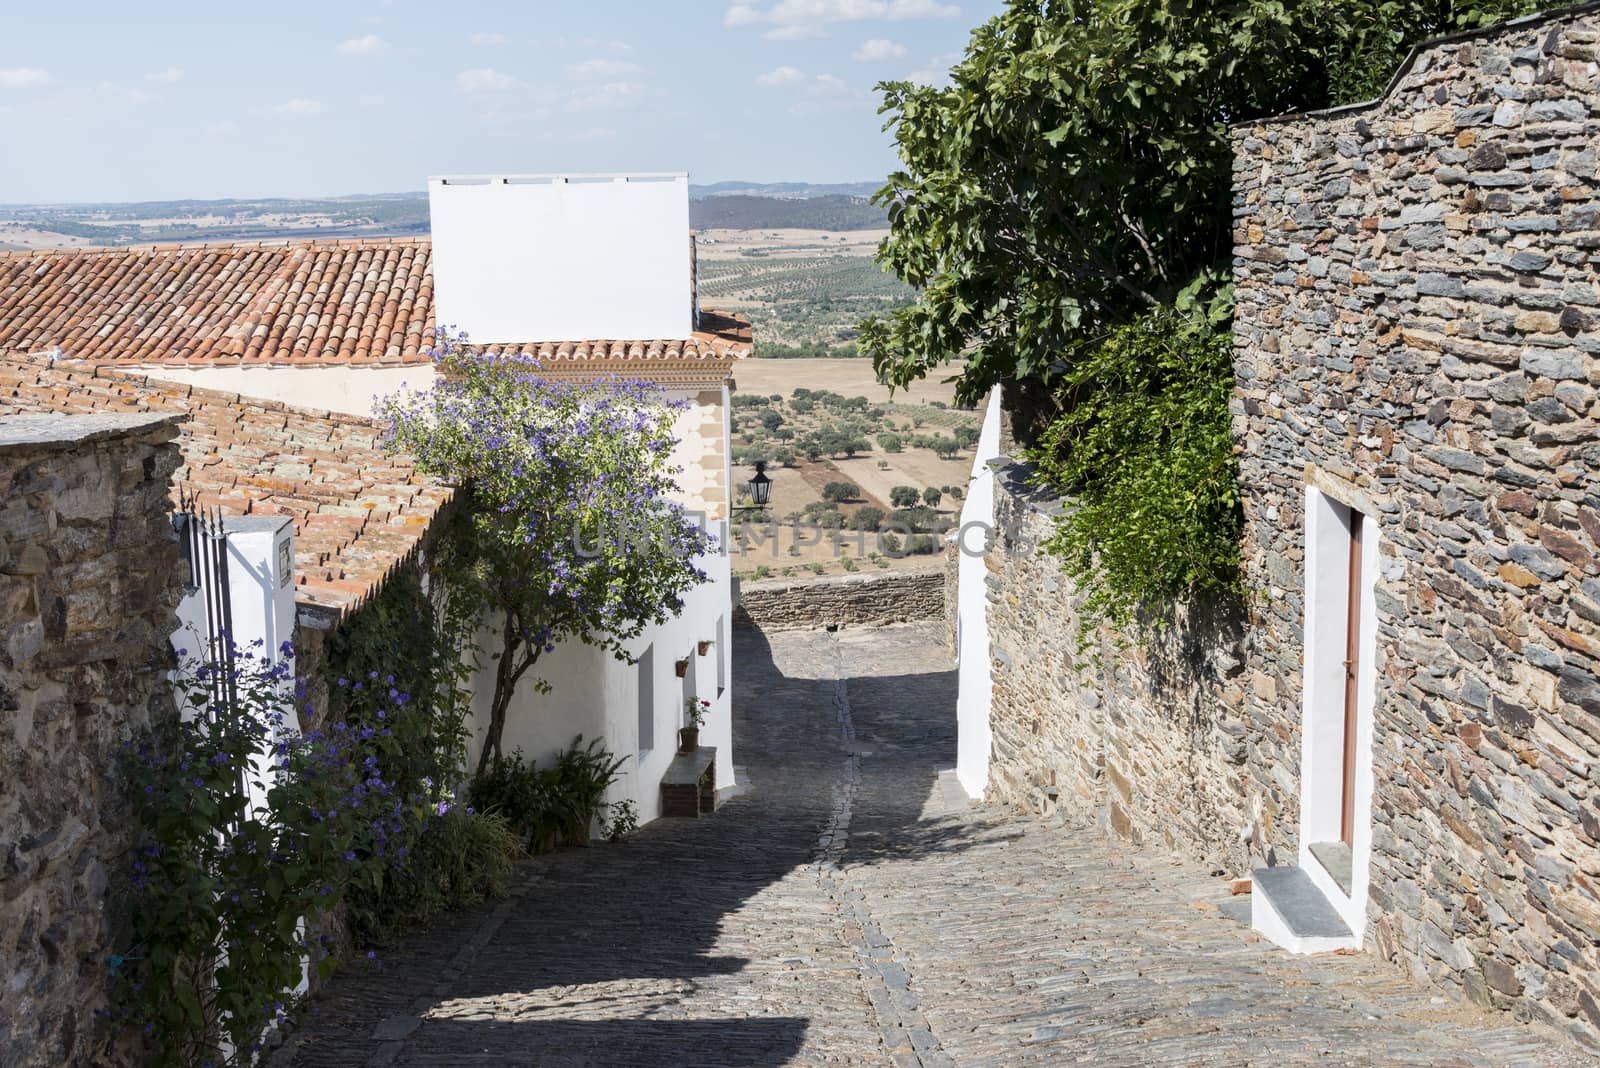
pixel 761 485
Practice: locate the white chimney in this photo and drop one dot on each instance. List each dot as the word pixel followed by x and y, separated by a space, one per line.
pixel 529 258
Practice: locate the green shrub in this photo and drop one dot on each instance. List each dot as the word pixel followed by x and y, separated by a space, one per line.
pixel 867 518
pixel 903 496
pixel 553 806
pixel 931 497
pixel 461 857
pixel 889 442
pixel 840 491
pixel 1145 449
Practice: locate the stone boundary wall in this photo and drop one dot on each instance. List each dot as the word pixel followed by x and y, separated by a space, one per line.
pixel 1147 738
pixel 1417 317
pixel 845 600
pixel 89 585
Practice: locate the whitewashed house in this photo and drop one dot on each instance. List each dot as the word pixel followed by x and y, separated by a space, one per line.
pixel 594 275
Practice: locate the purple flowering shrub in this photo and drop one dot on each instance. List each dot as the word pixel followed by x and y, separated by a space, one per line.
pixel 570 531
pixel 250 833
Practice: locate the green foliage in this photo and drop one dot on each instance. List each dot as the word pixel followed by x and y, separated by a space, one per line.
pixel 249 835
pixel 1145 449
pixel 622 819
pixel 557 804
pixel 904 496
pixel 841 491
pixel 1063 211
pixel 931 497
pixel 460 858
pixel 1076 171
pixel 867 518
pixel 890 442
pixel 415 642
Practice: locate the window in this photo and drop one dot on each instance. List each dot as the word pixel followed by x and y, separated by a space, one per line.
pixel 647 700
pixel 722 654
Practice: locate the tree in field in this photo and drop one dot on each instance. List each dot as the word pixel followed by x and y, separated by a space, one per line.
pixel 904 496
pixel 570 532
pixel 931 497
pixel 889 442
pixel 868 518
pixel 840 491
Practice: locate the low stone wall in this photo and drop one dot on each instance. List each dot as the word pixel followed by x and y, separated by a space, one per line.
pixel 848 600
pixel 89 584
pixel 1149 738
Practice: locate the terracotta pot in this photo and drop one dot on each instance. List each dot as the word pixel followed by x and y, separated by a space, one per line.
pixel 681 667
pixel 704 648
pixel 688 739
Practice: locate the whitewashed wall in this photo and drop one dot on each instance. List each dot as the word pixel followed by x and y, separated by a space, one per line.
pixel 972 623
pixel 562 257
pixel 596 695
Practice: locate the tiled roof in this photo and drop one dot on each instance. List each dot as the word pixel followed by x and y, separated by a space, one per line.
pixel 366 302
pixel 358 511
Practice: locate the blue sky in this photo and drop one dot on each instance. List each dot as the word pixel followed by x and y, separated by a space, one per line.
pixel 117 101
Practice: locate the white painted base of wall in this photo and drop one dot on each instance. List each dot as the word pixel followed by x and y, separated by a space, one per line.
pixel 975 682
pixel 1271 925
pixel 596 695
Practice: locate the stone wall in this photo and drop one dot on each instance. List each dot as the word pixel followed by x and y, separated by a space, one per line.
pixel 89 584
pixel 1416 323
pixel 1146 737
pixel 848 600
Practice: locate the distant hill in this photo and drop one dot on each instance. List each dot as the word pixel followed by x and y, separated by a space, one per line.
pixel 786 190
pixel 735 211
pixel 722 205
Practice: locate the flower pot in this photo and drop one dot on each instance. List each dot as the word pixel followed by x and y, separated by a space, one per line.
pixel 688 739
pixel 705 647
pixel 681 667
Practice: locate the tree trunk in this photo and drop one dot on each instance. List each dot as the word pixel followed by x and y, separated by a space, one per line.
pixel 506 675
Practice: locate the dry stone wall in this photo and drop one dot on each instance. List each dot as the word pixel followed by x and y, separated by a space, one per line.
pixel 1148 737
pixel 89 584
pixel 846 600
pixel 1417 312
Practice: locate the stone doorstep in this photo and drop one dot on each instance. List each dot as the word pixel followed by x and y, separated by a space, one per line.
pixel 1289 911
pixel 1336 861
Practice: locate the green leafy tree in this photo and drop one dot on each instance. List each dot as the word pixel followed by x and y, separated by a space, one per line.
pixel 841 491
pixel 904 496
pixel 931 497
pixel 867 518
pixel 573 534
pixel 1064 203
pixel 890 442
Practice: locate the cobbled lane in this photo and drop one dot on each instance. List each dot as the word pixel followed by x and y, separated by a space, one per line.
pixel 850 907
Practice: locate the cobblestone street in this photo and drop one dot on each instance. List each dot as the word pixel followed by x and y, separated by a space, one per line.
pixel 851 908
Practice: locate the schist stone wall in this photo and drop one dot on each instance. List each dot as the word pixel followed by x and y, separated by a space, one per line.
pixel 1416 327
pixel 1148 738
pixel 89 584
pixel 846 600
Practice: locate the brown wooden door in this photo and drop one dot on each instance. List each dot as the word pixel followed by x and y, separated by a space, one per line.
pixel 1352 672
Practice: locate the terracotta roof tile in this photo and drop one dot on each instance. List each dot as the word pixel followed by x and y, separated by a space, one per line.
pixel 367 302
pixel 252 456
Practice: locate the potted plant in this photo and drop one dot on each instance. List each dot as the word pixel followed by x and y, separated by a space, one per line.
pixel 705 646
pixel 694 710
pixel 681 667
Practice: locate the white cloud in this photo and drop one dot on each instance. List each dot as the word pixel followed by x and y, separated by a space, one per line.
pixel 299 106
pixel 794 19
pixel 609 95
pixel 170 75
pixel 22 77
pixel 370 45
pixel 602 68
pixel 781 76
pixel 937 71
pixel 484 80
pixel 487 39
pixel 877 49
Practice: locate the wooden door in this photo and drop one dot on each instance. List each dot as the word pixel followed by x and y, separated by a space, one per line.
pixel 1352 672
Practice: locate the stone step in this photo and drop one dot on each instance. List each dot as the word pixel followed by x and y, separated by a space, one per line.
pixel 1287 908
